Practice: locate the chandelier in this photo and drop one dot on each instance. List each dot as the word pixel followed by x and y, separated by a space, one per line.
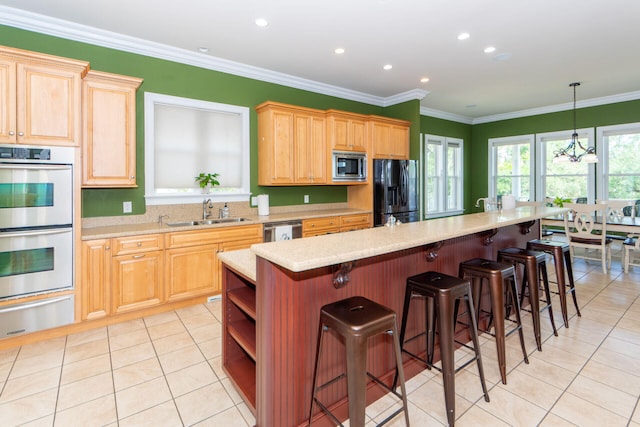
pixel 568 154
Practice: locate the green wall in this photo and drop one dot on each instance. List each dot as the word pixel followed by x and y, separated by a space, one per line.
pixel 171 78
pixel 602 115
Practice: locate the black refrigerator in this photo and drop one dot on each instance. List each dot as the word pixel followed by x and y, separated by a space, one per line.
pixel 395 191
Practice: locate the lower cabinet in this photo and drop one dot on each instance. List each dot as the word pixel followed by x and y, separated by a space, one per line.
pixel 191 271
pixel 136 281
pixel 125 274
pixel 335 224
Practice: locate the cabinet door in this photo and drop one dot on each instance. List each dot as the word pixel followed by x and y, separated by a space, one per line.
pixel 48 105
pixel 7 101
pixel 276 147
pixel 346 132
pixel 136 281
pixel 109 130
pixel 192 271
pixel 96 272
pixel 389 141
pixel 310 149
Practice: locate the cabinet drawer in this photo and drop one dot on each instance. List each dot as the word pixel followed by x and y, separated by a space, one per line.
pixel 353 220
pixel 140 243
pixel 309 225
pixel 213 235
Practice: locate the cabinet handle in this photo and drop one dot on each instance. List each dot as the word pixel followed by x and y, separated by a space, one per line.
pixel 132 177
pixel 11 133
pixel 139 244
pixel 106 248
pixel 138 256
pixel 20 133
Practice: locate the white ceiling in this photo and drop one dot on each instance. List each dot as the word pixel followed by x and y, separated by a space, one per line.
pixel 550 43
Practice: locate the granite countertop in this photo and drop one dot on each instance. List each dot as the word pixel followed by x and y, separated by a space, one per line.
pixel 331 249
pixel 123 230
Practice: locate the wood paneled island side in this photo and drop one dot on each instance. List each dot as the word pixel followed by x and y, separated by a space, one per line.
pixel 271 306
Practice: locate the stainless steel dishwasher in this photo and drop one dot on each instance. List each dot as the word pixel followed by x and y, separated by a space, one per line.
pixel 282 230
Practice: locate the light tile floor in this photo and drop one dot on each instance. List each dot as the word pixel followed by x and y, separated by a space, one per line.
pixel 165 370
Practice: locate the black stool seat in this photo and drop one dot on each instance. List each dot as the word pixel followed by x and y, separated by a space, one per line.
pixel 357 319
pixel 562 260
pixel 533 262
pixel 500 276
pixel 443 293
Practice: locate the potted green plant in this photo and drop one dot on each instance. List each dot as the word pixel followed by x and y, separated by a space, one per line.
pixel 207 181
pixel 560 201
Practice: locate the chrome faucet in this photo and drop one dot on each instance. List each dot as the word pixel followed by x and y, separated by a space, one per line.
pixel 486 200
pixel 207 205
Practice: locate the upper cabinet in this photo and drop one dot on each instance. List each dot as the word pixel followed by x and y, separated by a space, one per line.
pixel 346 131
pixel 40 98
pixel 389 138
pixel 291 145
pixel 109 130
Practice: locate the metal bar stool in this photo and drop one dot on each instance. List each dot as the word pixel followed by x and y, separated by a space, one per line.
pixel 443 293
pixel 533 262
pixel 561 260
pixel 500 277
pixel 357 319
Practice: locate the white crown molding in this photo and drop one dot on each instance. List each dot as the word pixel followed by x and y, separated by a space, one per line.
pixel 409 95
pixel 438 114
pixel 82 33
pixel 611 99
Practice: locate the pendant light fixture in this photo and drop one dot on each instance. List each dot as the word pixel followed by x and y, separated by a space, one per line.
pixel 569 154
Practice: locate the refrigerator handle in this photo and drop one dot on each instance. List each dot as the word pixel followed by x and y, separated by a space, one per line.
pixel 404 180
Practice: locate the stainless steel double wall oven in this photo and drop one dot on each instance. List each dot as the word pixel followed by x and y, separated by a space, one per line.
pixel 36 236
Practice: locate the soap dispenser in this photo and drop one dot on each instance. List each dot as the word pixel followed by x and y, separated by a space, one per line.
pixel 224 212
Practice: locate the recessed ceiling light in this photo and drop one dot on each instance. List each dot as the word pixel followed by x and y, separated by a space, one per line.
pixel 424 79
pixel 463 36
pixel 388 67
pixel 339 51
pixel 203 49
pixel 261 22
pixel 502 57
pixel 489 49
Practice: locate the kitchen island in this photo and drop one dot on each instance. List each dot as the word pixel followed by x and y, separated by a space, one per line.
pixel 271 313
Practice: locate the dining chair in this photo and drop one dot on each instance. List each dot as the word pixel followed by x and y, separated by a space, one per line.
pixel 617 209
pixel 585 226
pixel 631 246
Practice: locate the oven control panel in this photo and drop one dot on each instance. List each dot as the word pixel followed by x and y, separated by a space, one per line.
pixel 24 153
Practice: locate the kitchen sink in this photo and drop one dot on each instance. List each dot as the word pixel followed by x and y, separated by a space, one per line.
pixel 205 222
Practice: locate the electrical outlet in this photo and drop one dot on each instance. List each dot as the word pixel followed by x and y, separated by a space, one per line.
pixel 254 200
pixel 306 198
pixel 126 207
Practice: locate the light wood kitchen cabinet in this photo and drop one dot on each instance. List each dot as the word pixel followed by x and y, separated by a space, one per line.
pixel 191 271
pixel 389 138
pixel 346 131
pixel 291 145
pixel 40 98
pixel 137 273
pixel 109 130
pixel 335 224
pixel 309 148
pixel 96 278
pixel 192 265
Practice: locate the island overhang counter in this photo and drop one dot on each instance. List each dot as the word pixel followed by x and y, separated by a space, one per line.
pixel 269 347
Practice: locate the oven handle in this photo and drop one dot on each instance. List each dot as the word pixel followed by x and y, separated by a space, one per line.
pixel 33 304
pixel 34 167
pixel 36 232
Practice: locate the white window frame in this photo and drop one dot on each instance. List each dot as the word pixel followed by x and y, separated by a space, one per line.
pixel 602 134
pixel 493 161
pixel 194 194
pixel 443 209
pixel 586 137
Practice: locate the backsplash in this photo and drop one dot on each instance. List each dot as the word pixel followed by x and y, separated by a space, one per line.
pixel 188 212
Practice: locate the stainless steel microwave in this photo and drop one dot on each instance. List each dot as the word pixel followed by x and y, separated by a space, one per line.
pixel 349 166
